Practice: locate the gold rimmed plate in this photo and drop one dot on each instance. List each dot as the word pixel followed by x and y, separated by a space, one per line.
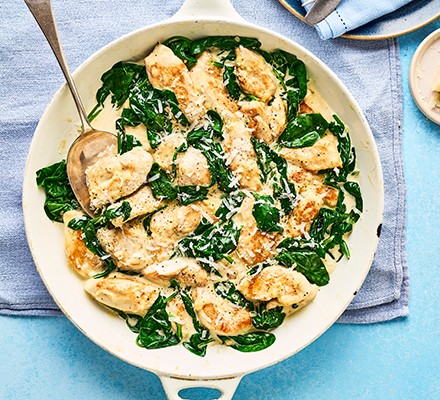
pixel 408 18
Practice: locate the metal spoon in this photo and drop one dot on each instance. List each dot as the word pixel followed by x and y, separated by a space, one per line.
pixel 91 142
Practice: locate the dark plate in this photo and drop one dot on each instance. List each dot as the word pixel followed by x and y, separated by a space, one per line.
pixel 406 19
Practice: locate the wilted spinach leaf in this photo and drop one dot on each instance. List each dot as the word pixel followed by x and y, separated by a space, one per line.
pixel 209 243
pixel 250 342
pixel 59 195
pixel 180 46
pixel 266 215
pixel 231 83
pixel 303 131
pixel 198 341
pixel 118 82
pixel 187 49
pixel 189 194
pixel 346 151
pixel 307 263
pixel 227 290
pixel 274 167
pixel 163 188
pixel 132 320
pixel 292 74
pixel 229 206
pixel 329 227
pixel 127 142
pixel 155 330
pixel 354 189
pixel 204 140
pixel 266 319
pixel 161 185
pixel 148 105
pixel 299 243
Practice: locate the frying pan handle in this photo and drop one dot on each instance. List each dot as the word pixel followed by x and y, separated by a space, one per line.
pixel 219 9
pixel 173 386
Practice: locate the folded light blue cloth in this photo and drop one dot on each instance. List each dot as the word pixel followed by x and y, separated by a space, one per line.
pixel 350 14
pixel 30 76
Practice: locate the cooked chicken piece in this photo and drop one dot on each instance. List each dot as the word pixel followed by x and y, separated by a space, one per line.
pixel 277 116
pixel 237 145
pixel 113 177
pixel 209 206
pixel 257 114
pixel 304 108
pixel 178 315
pixel 130 294
pixel 130 246
pixel 285 285
pixel 240 155
pixel 80 257
pixel 267 122
pixel 140 133
pixel 141 202
pixel 305 180
pixel 167 71
pixel 172 223
pixel 254 74
pixel 322 155
pixel 312 195
pixel 208 80
pixel 187 219
pixel 313 102
pixel 219 315
pixel 308 206
pixel 164 153
pixel 192 168
pixel 305 212
pixel 254 246
pixel 186 271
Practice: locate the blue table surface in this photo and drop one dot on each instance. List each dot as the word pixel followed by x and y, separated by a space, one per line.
pixel 48 358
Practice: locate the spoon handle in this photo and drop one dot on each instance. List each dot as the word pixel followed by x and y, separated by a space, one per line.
pixel 43 14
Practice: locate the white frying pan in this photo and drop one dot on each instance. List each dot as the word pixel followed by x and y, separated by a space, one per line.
pixel 223 367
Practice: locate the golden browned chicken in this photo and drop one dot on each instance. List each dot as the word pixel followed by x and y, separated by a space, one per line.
pixel 130 294
pixel 275 282
pixel 167 71
pixel 164 153
pixel 208 80
pixel 141 202
pixel 192 168
pixel 80 257
pixel 240 154
pixel 255 75
pixel 322 155
pixel 174 222
pixel 130 246
pixel 219 315
pixel 254 246
pixel 186 271
pixel 113 177
pixel 312 196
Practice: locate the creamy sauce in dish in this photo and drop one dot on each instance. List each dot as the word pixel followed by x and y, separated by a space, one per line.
pixel 229 199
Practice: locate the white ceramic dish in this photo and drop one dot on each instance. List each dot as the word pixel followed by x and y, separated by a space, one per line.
pixel 424 66
pixel 222 367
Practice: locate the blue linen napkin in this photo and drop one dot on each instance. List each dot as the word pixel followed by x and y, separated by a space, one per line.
pixel 30 77
pixel 351 14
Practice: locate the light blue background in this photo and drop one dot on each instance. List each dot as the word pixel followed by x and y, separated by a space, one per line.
pixel 48 358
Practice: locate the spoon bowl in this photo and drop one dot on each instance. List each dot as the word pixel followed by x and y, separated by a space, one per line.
pixel 87 148
pixel 83 153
